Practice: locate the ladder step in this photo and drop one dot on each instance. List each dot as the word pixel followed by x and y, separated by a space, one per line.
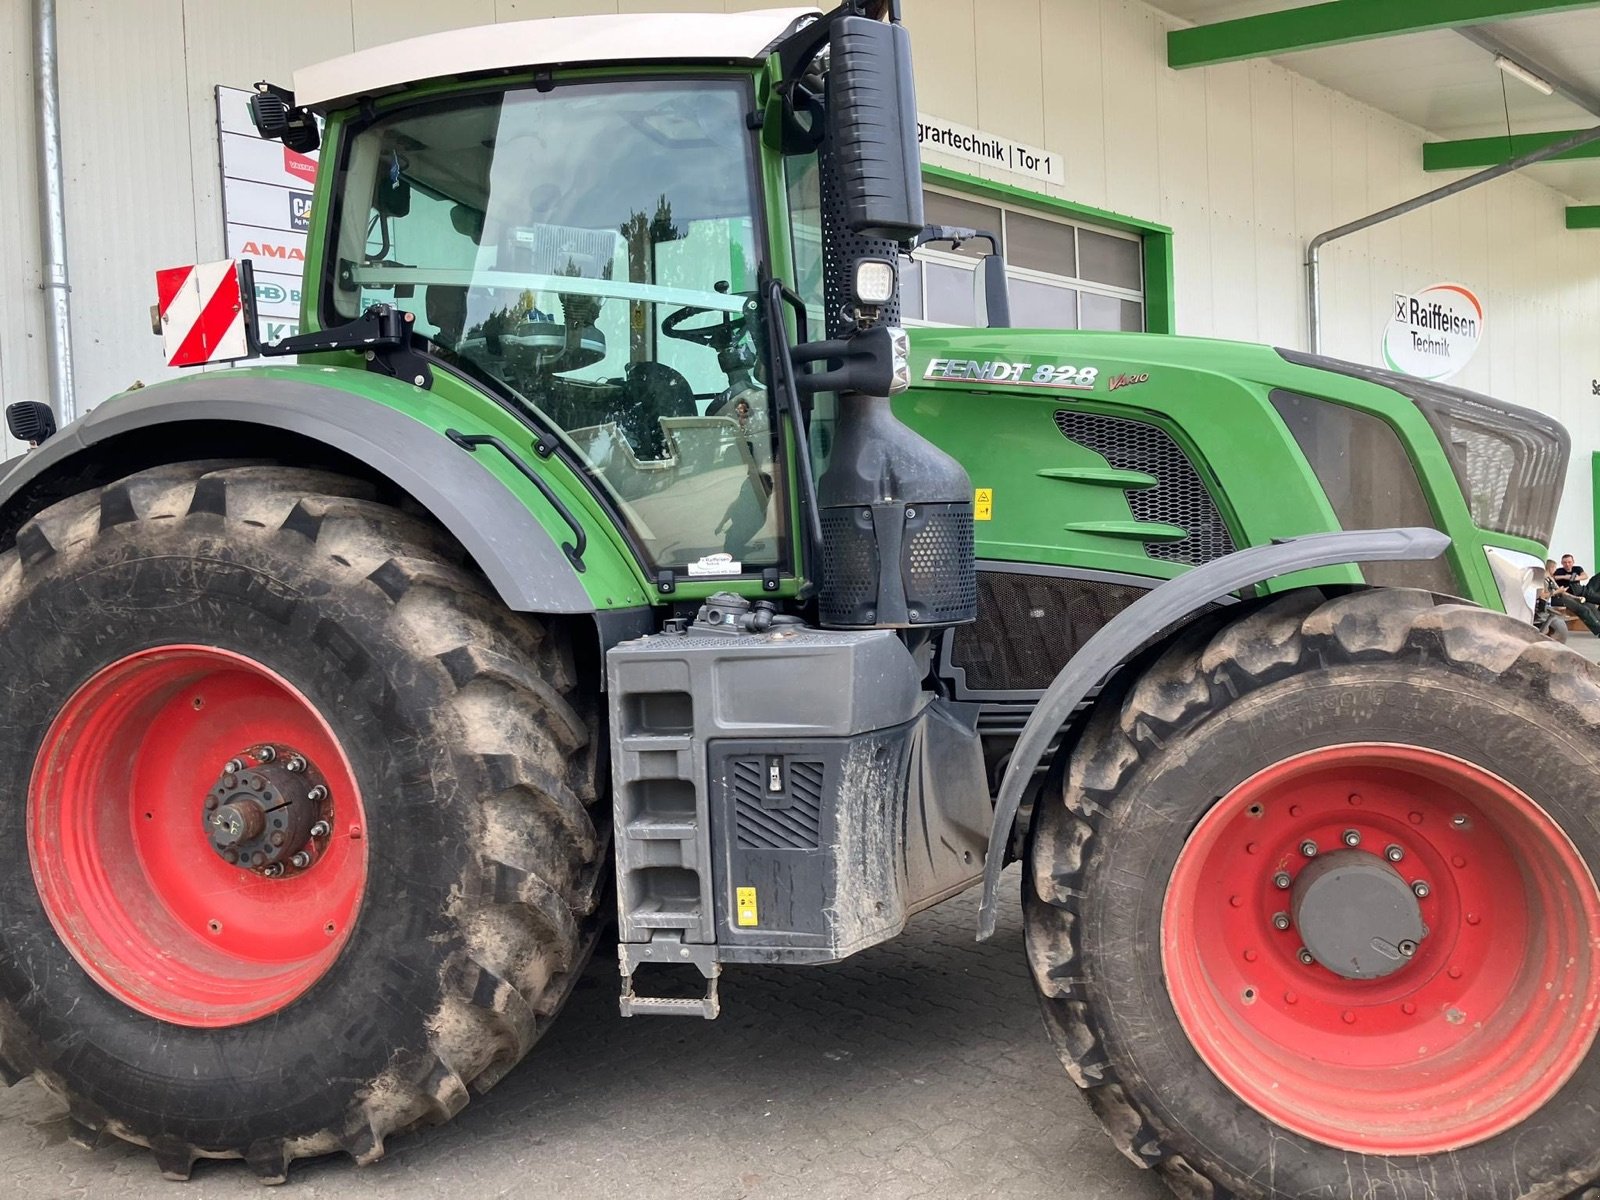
pixel 661 1006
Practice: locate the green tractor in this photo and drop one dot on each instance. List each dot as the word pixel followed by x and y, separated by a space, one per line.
pixel 611 569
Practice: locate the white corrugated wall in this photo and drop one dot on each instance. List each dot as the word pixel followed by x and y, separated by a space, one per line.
pixel 1246 162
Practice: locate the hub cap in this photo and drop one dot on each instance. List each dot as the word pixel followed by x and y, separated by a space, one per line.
pixel 196 835
pixel 1384 948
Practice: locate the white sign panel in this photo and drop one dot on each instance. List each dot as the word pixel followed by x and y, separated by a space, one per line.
pixel 1433 333
pixel 989 149
pixel 266 207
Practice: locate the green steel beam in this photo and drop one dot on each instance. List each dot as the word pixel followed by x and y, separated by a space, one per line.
pixel 1465 153
pixel 1337 22
pixel 1583 216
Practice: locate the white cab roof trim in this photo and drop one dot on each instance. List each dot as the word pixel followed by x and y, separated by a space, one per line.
pixel 552 42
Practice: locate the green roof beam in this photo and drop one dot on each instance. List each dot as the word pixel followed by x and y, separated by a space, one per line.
pixel 1338 22
pixel 1466 153
pixel 1583 216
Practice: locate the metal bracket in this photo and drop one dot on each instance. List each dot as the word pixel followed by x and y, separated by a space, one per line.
pixel 668 948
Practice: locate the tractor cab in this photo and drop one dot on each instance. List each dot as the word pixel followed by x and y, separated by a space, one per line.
pixel 608 250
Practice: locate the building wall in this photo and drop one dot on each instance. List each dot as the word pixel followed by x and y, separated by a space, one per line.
pixel 1245 162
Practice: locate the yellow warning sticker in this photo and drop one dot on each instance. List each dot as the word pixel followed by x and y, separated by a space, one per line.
pixel 983 504
pixel 747 906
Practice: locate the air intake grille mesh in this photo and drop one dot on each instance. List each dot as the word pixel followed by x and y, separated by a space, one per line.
pixel 1178 498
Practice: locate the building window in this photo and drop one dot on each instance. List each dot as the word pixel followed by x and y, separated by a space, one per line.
pixel 1063 275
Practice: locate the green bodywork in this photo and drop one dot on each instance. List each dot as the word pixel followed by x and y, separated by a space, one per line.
pixel 1054 502
pixel 1211 397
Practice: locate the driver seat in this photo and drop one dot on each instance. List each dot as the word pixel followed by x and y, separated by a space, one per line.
pixel 653 390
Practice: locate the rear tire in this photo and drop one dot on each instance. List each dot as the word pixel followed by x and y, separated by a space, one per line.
pixel 462 728
pixel 1456 743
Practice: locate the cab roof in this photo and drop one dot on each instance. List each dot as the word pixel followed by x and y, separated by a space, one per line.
pixel 745 37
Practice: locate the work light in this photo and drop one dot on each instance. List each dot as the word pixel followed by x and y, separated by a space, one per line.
pixel 875 281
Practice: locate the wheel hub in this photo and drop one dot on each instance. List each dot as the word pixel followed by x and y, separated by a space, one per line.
pixel 269 812
pixel 1356 915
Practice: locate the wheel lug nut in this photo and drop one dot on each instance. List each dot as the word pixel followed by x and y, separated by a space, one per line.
pixel 1281 881
pixel 320 829
pixel 1308 848
pixel 231 855
pixel 1420 889
pixel 1280 921
pixel 301 860
pixel 266 754
pixel 277 837
pixel 1352 837
pixel 258 858
pixel 211 803
pixel 295 763
pixel 317 794
pixel 232 767
pixel 1305 956
pixel 1393 853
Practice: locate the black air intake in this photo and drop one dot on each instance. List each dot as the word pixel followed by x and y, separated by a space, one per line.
pixel 896 524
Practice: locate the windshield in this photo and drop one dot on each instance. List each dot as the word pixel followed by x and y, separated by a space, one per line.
pixel 590 251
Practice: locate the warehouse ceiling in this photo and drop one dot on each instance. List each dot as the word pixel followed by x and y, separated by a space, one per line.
pixel 1443 81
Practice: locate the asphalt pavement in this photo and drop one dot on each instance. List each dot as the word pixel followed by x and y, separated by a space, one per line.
pixel 919 1068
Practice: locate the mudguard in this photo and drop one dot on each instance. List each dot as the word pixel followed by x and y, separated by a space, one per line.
pixel 510 546
pixel 1158 609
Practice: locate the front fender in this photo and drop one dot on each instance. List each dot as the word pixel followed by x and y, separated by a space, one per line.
pixel 1156 610
pixel 496 526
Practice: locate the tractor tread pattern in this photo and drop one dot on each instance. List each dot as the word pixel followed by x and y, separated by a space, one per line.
pixel 1297 632
pixel 527 905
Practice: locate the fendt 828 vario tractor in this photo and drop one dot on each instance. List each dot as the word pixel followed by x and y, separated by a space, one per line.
pixel 612 569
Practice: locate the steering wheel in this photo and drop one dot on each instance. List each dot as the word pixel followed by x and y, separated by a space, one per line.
pixel 721 336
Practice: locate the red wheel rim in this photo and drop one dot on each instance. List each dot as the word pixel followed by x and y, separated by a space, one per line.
pixel 1492 1013
pixel 119 847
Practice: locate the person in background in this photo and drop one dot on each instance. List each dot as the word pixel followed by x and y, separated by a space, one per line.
pixel 1545 619
pixel 1567 592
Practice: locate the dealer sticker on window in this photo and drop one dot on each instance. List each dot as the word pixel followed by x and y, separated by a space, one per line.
pixel 715 564
pixel 1060 376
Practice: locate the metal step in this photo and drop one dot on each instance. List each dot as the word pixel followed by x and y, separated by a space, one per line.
pixel 668 948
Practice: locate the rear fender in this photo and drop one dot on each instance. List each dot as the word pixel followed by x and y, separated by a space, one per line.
pixel 1157 610
pixel 236 414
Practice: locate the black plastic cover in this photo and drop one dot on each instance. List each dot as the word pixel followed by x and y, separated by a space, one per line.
pixel 1510 461
pixel 1369 480
pixel 872 121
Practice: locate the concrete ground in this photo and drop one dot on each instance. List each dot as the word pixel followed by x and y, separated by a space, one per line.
pixel 916 1069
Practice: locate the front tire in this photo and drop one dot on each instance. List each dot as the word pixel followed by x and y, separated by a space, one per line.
pixel 173 641
pixel 1313 910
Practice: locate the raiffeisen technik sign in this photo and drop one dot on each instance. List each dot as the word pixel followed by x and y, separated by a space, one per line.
pixel 1434 333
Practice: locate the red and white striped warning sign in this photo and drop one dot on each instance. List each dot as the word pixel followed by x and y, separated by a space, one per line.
pixel 202 313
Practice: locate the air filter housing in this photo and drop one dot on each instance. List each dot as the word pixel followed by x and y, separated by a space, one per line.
pixel 896 526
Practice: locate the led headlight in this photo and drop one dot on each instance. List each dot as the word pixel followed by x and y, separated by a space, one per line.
pixel 875 282
pixel 1518 576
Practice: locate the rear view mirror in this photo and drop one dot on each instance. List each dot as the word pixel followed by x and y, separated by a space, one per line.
pixel 872 128
pixel 992 293
pixel 392 195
